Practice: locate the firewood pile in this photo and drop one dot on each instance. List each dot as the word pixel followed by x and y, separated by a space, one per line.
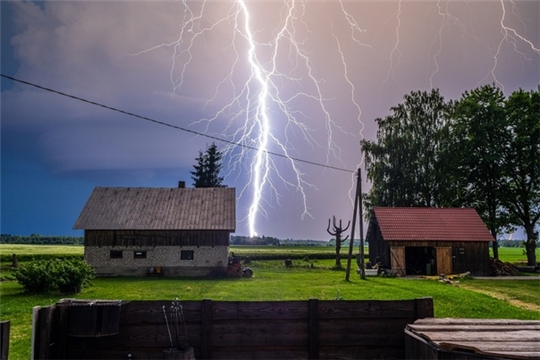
pixel 499 268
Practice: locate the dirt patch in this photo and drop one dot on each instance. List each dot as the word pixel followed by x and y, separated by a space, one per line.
pixel 504 297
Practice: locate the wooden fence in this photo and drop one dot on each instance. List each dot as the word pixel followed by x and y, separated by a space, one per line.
pixel 4 339
pixel 227 329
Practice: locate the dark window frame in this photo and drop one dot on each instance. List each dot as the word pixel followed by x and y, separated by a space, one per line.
pixel 139 254
pixel 187 254
pixel 116 254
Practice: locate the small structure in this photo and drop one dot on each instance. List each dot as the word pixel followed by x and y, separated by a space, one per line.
pixel 489 339
pixel 158 231
pixel 429 241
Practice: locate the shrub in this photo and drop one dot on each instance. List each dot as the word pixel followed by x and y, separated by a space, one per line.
pixel 68 276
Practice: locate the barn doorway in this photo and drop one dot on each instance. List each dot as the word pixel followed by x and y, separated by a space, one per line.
pixel 420 260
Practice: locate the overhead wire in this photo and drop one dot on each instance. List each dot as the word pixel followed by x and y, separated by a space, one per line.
pixel 159 122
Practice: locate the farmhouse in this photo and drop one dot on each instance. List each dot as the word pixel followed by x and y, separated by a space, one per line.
pixel 429 241
pixel 158 231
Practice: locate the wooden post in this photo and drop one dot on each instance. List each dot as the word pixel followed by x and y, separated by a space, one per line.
pixel 357 199
pixel 41 331
pixel 61 315
pixel 206 329
pixel 313 328
pixel 4 339
pixel 424 308
pixel 362 266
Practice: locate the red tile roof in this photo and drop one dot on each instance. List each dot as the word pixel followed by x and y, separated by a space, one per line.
pixel 437 224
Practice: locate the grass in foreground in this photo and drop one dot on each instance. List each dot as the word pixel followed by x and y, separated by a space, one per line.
pixel 468 299
pixel 274 282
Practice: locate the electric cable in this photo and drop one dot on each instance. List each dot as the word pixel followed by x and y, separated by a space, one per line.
pixel 145 118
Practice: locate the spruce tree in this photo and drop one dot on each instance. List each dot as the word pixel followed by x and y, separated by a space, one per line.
pixel 207 170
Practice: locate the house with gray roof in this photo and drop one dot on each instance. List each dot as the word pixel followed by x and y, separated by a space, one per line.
pixel 158 231
pixel 429 241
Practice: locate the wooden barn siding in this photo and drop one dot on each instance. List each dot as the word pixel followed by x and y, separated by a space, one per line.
pixel 243 330
pixel 130 238
pixel 377 246
pixel 474 258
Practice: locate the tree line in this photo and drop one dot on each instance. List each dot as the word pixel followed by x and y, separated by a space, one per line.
pixel 41 239
pixel 270 240
pixel 481 151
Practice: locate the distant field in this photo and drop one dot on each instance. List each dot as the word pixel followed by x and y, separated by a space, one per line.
pixel 514 255
pixel 27 252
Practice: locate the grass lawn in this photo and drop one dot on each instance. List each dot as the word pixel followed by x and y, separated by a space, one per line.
pixel 471 298
pixel 514 255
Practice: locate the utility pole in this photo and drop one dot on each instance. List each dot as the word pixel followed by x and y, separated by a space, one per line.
pixel 361 221
pixel 357 205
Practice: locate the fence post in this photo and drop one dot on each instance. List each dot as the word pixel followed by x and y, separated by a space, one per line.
pixel 206 329
pixel 424 308
pixel 41 331
pixel 313 328
pixel 4 339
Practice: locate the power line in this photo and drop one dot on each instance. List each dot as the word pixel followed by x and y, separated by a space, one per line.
pixel 128 113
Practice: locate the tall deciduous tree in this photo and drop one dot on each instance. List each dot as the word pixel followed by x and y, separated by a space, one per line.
pixel 522 166
pixel 405 164
pixel 207 170
pixel 481 133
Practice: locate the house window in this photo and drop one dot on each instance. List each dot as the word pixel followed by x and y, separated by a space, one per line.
pixel 139 254
pixel 186 255
pixel 116 254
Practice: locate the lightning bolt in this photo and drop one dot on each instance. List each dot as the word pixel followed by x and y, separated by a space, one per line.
pixel 266 98
pixel 512 36
pixel 447 19
pixel 262 112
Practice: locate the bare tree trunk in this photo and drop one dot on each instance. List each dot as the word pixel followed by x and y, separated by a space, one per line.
pixel 530 245
pixel 338 257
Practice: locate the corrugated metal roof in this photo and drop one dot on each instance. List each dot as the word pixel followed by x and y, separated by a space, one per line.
pixel 117 208
pixel 437 224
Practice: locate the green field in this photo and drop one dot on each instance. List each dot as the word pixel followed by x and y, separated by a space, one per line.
pixel 309 278
pixel 25 252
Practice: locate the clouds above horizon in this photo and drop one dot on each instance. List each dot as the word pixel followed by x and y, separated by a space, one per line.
pixel 133 55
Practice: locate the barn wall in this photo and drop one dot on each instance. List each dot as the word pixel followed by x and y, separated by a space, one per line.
pixel 473 257
pixel 156 238
pixel 206 260
pixel 378 249
pixel 137 253
pixel 465 255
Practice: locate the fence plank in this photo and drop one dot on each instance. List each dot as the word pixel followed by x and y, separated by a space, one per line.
pixel 4 339
pixel 313 328
pixel 42 331
pixel 206 329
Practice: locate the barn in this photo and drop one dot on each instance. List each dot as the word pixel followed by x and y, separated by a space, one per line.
pixel 158 231
pixel 429 241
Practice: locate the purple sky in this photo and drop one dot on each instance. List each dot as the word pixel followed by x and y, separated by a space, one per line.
pixel 336 68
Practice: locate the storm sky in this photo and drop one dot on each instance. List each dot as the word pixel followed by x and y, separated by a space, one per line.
pixel 334 67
